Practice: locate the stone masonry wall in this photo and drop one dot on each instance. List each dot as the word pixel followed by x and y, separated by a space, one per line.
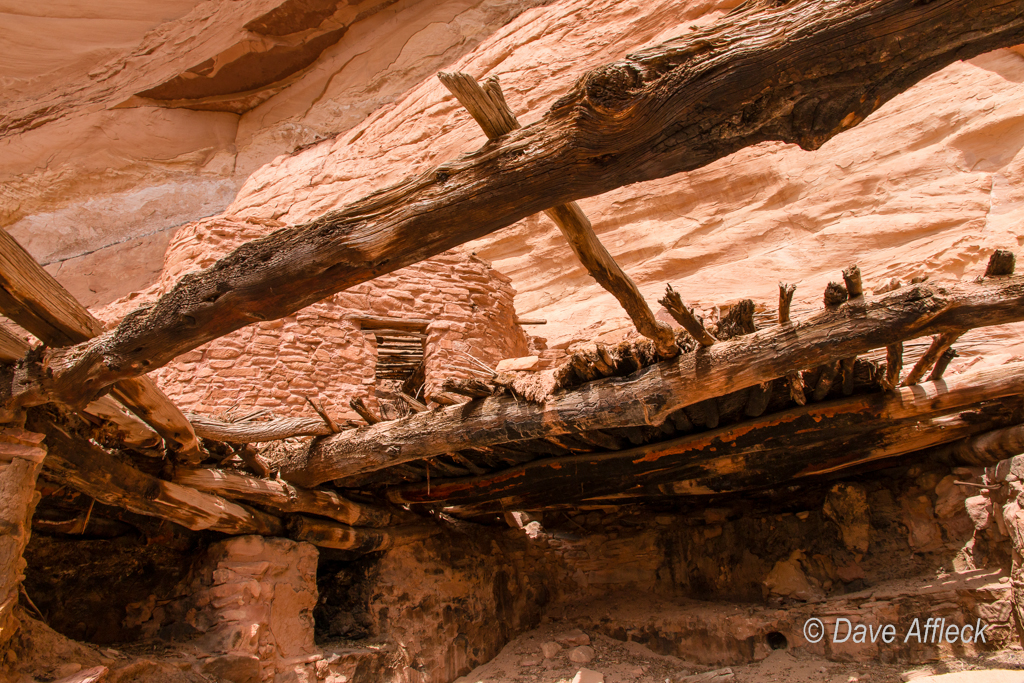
pixel 319 352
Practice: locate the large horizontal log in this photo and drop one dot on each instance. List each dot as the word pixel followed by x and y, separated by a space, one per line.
pixel 799 72
pixel 31 297
pixel 649 396
pixel 775 450
pixel 257 432
pixel 78 463
pixel 286 498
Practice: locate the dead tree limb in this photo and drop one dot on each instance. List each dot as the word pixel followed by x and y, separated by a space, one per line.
pixel 940 344
pixel 472 387
pixel 651 395
pixel 854 286
pixel 940 365
pixel 488 108
pixel 76 462
pixel 31 297
pixel 21 459
pixel 358 405
pixel 768 451
pixel 799 72
pixel 684 315
pixel 989 448
pixel 785 301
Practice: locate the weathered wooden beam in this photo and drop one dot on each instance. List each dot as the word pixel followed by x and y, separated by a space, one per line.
pixel 325 534
pixel 488 108
pixel 12 347
pixel 21 459
pixel 357 404
pixel 940 365
pixel 132 430
pixel 684 315
pixel 893 365
pixel 991 447
pixel 648 397
pixel 785 301
pixel 75 461
pixel 286 498
pixel 799 72
pixel 770 451
pixel 31 297
pixel 257 432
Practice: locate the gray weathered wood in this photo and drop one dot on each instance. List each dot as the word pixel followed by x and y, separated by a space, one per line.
pixel 648 397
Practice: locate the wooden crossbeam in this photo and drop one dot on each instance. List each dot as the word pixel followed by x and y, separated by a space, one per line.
pixel 488 108
pixel 651 395
pixel 31 297
pixel 771 451
pixel 799 72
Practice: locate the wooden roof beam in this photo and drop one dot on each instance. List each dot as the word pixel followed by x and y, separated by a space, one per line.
pixel 799 72
pixel 649 396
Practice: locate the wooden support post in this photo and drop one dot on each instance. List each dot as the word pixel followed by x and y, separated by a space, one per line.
pixel 472 387
pixel 854 286
pixel 785 301
pixel 825 379
pixel 940 365
pixel 683 315
pixel 488 108
pixel 31 297
pixel 796 387
pixel 847 365
pixel 21 458
pixel 286 498
pixel 757 399
pixel 893 366
pixel 1002 262
pixel 360 407
pixel 940 344
pixel 988 449
pixel 78 463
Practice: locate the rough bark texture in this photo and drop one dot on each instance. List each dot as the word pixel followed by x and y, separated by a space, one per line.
pixel 799 72
pixel 651 395
pixel 35 300
pixel 772 451
pixel 21 457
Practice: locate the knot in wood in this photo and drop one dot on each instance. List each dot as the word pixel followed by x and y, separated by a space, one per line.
pixel 610 87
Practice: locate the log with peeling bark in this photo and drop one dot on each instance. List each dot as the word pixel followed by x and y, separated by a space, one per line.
pixel 773 450
pixel 648 397
pixel 488 108
pixel 21 459
pixel 286 498
pixel 798 72
pixel 31 297
pixel 75 461
pixel 327 534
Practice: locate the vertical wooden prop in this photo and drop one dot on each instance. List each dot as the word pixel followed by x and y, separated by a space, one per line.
pixel 21 458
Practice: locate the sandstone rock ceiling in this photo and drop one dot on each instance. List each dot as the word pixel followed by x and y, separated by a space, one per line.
pixel 108 163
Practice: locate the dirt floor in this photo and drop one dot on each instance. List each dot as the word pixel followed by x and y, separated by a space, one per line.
pixel 523 661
